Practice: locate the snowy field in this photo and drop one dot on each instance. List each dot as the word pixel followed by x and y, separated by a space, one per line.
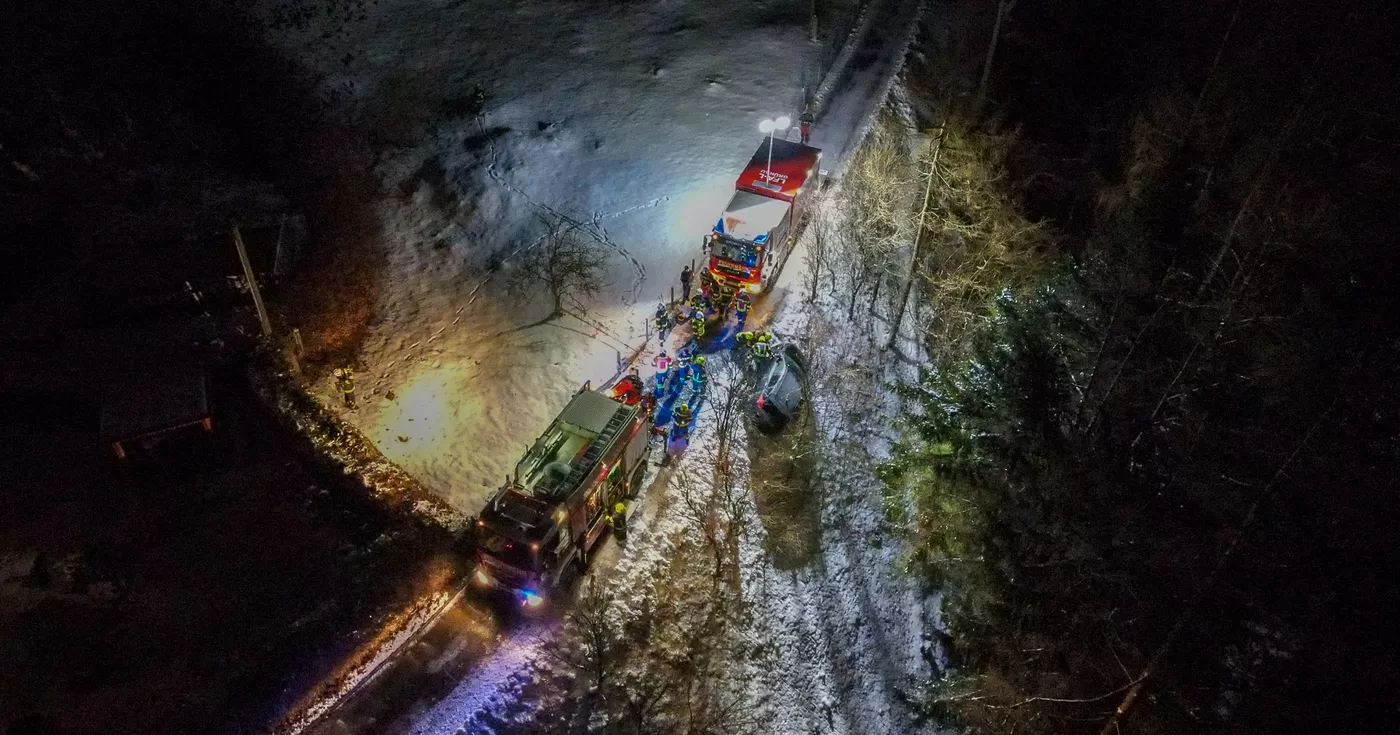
pixel 629 120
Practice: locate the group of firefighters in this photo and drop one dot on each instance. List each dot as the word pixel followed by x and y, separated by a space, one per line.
pixel 696 310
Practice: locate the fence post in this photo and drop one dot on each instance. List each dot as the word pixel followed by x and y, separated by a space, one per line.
pixel 252 283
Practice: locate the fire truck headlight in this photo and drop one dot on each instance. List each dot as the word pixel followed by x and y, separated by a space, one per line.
pixel 482 577
pixel 751 287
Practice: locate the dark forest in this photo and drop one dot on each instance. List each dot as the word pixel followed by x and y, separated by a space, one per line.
pixel 1156 471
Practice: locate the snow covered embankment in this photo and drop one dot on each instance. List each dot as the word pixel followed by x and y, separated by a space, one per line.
pixel 342 445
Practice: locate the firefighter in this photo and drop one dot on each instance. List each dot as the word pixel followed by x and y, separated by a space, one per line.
pixel 742 302
pixel 681 417
pixel 697 322
pixel 762 345
pixel 685 283
pixel 700 302
pixel 663 321
pixel 662 363
pixel 745 339
pixel 684 359
pixel 697 374
pixel 618 520
pixel 804 124
pixel 345 382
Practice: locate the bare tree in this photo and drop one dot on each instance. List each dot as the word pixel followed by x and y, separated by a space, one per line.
pixel 875 217
pixel 715 505
pixel 592 639
pixel 818 250
pixel 570 267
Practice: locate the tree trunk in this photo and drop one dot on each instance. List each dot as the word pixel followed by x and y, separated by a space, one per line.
pixel 918 245
pixel 1205 85
pixel 1003 7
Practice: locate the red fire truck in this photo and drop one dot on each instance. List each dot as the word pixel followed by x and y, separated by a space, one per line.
pixel 754 236
pixel 540 528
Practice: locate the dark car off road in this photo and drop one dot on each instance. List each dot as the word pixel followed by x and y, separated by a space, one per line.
pixel 780 390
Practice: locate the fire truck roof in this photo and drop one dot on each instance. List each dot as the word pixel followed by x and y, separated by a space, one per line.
pixel 751 216
pixel 793 165
pixel 567 445
pixel 590 411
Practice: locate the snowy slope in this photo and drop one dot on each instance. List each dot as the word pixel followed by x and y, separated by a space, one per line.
pixel 631 119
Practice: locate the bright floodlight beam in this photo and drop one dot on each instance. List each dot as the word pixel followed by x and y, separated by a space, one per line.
pixel 771 127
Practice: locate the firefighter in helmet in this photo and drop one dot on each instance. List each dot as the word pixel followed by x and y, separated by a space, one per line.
pixel 618 520
pixel 345 383
pixel 697 322
pixel 697 374
pixel 682 416
pixel 762 345
pixel 663 321
pixel 684 359
pixel 742 302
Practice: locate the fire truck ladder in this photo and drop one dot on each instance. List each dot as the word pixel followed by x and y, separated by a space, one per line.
pixel 596 449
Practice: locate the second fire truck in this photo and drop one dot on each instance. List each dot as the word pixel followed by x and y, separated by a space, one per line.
pixel 541 528
pixel 754 236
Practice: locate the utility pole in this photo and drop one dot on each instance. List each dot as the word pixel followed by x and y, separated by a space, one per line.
pixel 918 242
pixel 813 32
pixel 252 283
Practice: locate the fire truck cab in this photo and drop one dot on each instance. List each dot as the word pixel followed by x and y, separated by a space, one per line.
pixel 540 528
pixel 754 236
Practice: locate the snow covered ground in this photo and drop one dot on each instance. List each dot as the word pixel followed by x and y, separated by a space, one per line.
pixel 624 120
pixel 851 631
pixel 630 120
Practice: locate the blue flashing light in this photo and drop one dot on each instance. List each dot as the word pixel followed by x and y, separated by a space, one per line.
pixel 530 598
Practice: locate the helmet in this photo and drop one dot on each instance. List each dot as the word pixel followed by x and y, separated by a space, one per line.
pixel 619 508
pixel 683 408
pixel 700 360
pixel 663 354
pixel 765 337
